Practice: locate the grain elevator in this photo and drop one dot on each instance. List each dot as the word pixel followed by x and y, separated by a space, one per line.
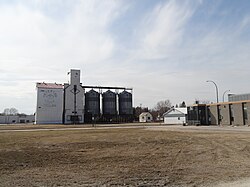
pixel 49 106
pixel 74 103
pixel 73 100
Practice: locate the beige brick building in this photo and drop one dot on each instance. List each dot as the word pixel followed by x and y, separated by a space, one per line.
pixel 226 113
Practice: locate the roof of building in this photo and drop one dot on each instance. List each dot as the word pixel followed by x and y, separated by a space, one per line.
pixel 49 85
pixel 231 102
pixel 145 113
pixel 222 103
pixel 232 95
pixel 108 92
pixel 180 110
pixel 198 105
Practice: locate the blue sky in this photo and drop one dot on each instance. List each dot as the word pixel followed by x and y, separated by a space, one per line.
pixel 164 49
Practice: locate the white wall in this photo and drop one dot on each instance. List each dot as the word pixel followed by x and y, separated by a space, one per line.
pixel 174 120
pixel 49 105
pixel 145 118
pixel 27 119
pixel 17 119
pixel 8 119
pixel 69 103
pixel 69 107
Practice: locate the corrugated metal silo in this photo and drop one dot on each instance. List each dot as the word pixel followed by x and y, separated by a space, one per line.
pixel 109 103
pixel 125 103
pixel 92 103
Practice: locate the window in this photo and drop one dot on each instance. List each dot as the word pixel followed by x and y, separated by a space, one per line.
pixel 219 113
pixel 245 111
pixel 179 118
pixel 74 118
pixel 231 112
pixel 149 118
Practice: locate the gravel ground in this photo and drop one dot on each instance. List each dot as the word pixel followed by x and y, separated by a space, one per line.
pixel 142 156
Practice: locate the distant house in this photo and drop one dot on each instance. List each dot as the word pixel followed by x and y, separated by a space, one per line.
pixel 145 117
pixel 175 116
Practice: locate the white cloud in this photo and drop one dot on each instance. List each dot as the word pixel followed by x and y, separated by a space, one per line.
pixel 168 62
pixel 163 28
pixel 36 46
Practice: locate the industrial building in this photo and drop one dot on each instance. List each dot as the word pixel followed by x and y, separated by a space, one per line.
pixel 49 108
pixel 175 116
pixel 19 118
pixel 238 97
pixel 71 103
pixel 73 99
pixel 227 113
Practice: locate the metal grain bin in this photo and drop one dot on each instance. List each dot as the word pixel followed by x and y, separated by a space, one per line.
pixel 125 103
pixel 109 103
pixel 92 103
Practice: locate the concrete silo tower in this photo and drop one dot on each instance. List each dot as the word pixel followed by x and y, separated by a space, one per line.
pixel 73 99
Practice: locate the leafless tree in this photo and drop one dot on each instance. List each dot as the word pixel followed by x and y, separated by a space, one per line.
pixel 10 111
pixel 162 106
pixel 182 105
pixel 6 111
pixel 13 111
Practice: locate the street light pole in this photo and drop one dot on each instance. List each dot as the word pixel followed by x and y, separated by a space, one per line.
pixel 224 94
pixel 216 89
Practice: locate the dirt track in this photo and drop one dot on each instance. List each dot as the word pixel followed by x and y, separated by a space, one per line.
pixel 130 157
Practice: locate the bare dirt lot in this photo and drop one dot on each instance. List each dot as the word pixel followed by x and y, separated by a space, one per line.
pixel 124 157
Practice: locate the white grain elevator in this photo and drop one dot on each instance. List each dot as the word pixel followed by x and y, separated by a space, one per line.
pixel 73 99
pixel 49 106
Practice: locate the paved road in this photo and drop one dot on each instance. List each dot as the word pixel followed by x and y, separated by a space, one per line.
pixel 202 128
pixel 70 129
pixel 146 126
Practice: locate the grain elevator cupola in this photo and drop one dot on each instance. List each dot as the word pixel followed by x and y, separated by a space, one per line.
pixel 74 77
